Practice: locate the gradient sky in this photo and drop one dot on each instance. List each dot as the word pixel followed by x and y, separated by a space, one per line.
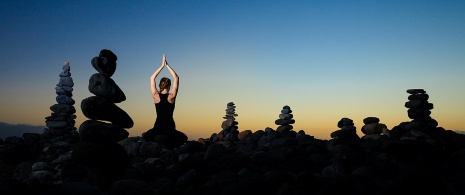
pixel 325 59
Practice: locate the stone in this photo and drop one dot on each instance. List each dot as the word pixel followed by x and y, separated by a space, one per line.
pixel 63 108
pixel 372 128
pixel 345 122
pixel 65 74
pixel 108 54
pixel 415 91
pixel 284 121
pixel 101 85
pixel 97 108
pixel 104 65
pixel 56 124
pixel 66 81
pixel 421 96
pixel 63 99
pixel 286 116
pixel 283 128
pixel 369 120
pixel 100 132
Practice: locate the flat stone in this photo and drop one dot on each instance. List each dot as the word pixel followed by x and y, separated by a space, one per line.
pixel 56 124
pixel 63 108
pixel 415 91
pixel 63 99
pixel 98 108
pixel 284 121
pixel 100 132
pixel 369 120
pixel 421 96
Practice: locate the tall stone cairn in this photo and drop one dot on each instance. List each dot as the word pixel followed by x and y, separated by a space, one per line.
pixel 99 149
pixel 285 120
pixel 229 126
pixel 60 132
pixel 419 109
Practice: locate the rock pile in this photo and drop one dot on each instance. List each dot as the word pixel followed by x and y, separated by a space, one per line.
pixel 285 120
pixel 60 133
pixel 419 109
pixel 98 150
pixel 229 126
pixel 373 129
pixel 344 138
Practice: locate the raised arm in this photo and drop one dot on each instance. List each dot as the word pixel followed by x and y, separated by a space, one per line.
pixel 175 84
pixel 153 85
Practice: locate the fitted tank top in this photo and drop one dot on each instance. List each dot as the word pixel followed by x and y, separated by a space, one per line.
pixel 164 122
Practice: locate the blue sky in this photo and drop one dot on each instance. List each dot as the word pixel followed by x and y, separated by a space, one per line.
pixel 325 59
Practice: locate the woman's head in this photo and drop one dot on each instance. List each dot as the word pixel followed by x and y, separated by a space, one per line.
pixel 165 83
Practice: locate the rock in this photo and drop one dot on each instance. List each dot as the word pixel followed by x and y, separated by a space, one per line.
pixel 104 65
pixel 101 85
pixel 99 132
pixel 415 91
pixel 369 120
pixel 97 108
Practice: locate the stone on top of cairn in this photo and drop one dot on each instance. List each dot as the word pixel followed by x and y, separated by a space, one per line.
pixel 105 62
pixel 373 129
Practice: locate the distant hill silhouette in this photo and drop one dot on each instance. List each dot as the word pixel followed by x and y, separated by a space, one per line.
pixel 7 130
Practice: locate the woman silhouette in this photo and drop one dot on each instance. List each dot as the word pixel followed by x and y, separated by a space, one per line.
pixel 164 130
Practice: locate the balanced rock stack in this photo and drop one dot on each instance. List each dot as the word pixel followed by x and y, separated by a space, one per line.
pixel 229 127
pixel 285 120
pixel 346 136
pixel 61 133
pixel 373 129
pixel 419 109
pixel 98 149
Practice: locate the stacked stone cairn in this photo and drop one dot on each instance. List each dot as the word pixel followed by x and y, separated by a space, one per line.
pixel 99 151
pixel 229 126
pixel 56 141
pixel 419 109
pixel 345 138
pixel 60 132
pixel 285 122
pixel 373 129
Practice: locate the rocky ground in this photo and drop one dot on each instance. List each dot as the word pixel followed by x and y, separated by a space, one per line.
pixel 264 161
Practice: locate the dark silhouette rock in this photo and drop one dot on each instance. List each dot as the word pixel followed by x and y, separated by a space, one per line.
pixel 101 85
pixel 98 108
pixel 97 131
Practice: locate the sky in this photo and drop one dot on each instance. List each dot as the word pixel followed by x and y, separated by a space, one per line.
pixel 325 59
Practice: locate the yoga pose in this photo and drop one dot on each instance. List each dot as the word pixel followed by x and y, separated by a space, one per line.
pixel 164 130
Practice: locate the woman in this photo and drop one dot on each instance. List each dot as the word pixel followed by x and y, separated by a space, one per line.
pixel 164 130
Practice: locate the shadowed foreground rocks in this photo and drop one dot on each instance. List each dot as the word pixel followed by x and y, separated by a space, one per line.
pixel 299 165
